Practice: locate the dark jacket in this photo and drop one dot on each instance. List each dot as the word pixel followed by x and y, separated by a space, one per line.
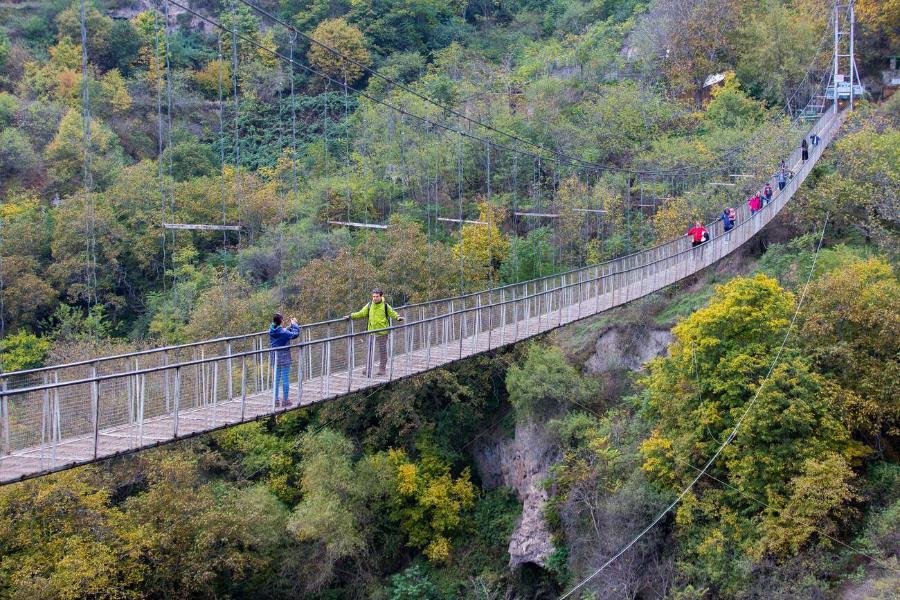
pixel 279 337
pixel 727 223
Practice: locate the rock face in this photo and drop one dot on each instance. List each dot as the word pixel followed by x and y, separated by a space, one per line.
pixel 627 349
pixel 522 464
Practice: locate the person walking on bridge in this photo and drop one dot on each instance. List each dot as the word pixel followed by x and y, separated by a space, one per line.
pixel 781 177
pixel 727 220
pixel 280 339
pixel 698 234
pixel 379 314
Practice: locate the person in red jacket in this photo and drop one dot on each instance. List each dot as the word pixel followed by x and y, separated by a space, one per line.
pixel 698 234
pixel 755 203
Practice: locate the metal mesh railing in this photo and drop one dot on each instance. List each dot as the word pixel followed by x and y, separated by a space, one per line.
pixel 59 417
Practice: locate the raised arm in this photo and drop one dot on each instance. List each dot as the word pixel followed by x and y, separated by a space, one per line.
pixel 361 313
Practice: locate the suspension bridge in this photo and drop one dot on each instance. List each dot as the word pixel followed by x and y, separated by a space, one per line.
pixel 58 417
pixel 61 416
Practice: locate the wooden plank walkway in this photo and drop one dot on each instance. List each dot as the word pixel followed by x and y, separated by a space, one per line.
pixel 67 433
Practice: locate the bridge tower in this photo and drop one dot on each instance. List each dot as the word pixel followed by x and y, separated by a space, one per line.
pixel 845 83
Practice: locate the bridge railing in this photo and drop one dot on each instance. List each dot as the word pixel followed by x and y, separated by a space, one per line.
pixel 56 423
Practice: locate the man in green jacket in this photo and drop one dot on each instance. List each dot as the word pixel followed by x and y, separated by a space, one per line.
pixel 379 313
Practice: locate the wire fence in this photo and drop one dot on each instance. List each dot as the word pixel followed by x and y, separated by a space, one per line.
pixel 58 417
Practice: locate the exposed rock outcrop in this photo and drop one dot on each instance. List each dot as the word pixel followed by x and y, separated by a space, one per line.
pixel 522 463
pixel 628 348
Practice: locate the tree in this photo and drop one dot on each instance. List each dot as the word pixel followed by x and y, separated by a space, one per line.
pixel 792 434
pixel 731 107
pixel 482 247
pixel 345 39
pixel 190 159
pixel 65 154
pixel 426 500
pixel 23 350
pixel 861 193
pixel 529 258
pixel 697 42
pixel 9 104
pixel 414 269
pixel 777 44
pixel 878 21
pixel 546 383
pixel 341 503
pixel 413 584
pixel 57 541
pixel 99 29
pixel 848 326
pixel 18 160
pixel 330 287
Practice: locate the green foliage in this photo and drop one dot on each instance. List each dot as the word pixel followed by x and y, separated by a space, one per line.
pixel 528 258
pixel 9 104
pixel 849 328
pixel 23 350
pixel 65 154
pixel 189 159
pixel 792 449
pixel 782 34
pixel 412 584
pixel 71 324
pixel 426 500
pixel 18 160
pixel 731 107
pixel 337 34
pixel 546 383
pixel 861 192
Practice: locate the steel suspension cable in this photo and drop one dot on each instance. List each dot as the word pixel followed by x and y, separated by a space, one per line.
pixel 87 171
pixel 160 140
pixel 237 108
pixel 221 107
pixel 724 443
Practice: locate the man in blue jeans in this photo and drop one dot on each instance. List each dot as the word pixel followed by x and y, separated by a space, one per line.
pixel 280 337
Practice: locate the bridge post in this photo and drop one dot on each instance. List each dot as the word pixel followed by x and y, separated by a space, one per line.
pixel 4 416
pixel 176 400
pixel 243 386
pixel 391 351
pixel 350 358
pixel 424 327
pixel 95 406
pixel 477 321
pixel 503 317
pixel 490 321
pixel 515 307
pixel 166 394
pixel 559 292
pixel 230 372
pixel 462 328
pixel 300 373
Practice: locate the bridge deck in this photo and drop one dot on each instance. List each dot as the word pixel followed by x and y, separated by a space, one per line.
pixel 54 426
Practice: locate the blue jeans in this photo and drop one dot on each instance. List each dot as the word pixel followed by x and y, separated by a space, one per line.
pixel 282 379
